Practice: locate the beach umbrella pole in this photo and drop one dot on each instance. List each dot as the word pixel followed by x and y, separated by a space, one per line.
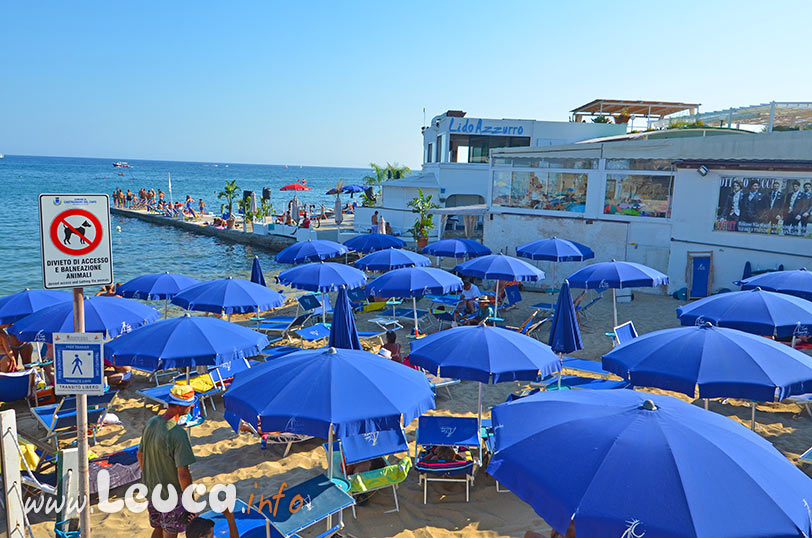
pixel 414 310
pixel 561 368
pixel 323 313
pixel 753 416
pixel 330 467
pixel 614 308
pixel 706 404
pixel 496 301
pixel 166 307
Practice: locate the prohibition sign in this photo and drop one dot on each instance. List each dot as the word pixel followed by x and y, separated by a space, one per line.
pixel 84 245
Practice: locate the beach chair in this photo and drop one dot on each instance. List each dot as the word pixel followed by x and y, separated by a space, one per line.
pixel 460 433
pixel 437 383
pixel 314 333
pixel 312 304
pixel 806 457
pixel 623 333
pixel 513 297
pixel 584 365
pixel 361 303
pixel 16 386
pixel 574 382
pixel 379 446
pixel 284 325
pixel 320 498
pixel 802 400
pixel 367 336
pixel 60 419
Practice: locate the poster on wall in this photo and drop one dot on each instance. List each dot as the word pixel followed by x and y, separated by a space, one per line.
pixel 765 205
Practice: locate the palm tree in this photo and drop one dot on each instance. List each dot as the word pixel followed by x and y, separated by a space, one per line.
pixel 378 178
pixel 396 171
pixel 230 193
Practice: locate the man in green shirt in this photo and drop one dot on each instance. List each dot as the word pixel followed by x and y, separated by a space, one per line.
pixel 165 455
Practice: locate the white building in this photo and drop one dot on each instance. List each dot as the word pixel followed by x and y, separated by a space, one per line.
pixel 742 197
pixel 456 151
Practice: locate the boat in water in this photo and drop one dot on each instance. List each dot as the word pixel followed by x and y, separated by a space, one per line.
pixel 121 164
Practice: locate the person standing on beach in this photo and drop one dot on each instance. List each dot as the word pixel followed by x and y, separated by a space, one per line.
pixel 164 455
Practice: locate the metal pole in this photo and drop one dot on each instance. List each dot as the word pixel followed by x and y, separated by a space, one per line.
pixel 330 467
pixel 706 404
pixel 414 309
pixel 561 368
pixel 12 482
pixel 496 301
pixel 81 423
pixel 479 407
pixel 753 416
pixel 166 307
pixel 323 309
pixel 614 308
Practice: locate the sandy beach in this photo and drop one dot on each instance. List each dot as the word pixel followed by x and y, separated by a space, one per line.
pixel 223 457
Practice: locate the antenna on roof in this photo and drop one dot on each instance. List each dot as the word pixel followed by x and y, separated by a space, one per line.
pixel 424 116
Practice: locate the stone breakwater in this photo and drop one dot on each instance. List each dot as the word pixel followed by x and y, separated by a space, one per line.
pixel 270 242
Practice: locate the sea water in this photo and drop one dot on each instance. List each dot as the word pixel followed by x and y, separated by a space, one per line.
pixel 141 247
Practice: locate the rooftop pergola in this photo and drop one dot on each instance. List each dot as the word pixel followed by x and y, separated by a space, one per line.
pixel 633 109
pixel 783 113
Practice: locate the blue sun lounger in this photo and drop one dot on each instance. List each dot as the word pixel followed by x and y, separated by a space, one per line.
pixel 457 432
pixel 314 333
pixel 574 382
pixel 60 419
pixel 17 385
pixel 312 304
pixel 284 325
pixel 623 333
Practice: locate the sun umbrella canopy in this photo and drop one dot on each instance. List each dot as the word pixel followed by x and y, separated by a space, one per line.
pixel 307 391
pixel 311 251
pixel 555 250
pixel 500 267
pixel 391 258
pixel 797 283
pixel 295 187
pixel 185 341
pixel 352 188
pixel 155 286
pixel 625 463
pixel 565 336
pixel 413 282
pixel 108 315
pixel 229 296
pixel 482 353
pixel 256 273
pixel 18 305
pixel 373 242
pixel 343 333
pixel 753 311
pixel 456 248
pixel 322 277
pixel 616 274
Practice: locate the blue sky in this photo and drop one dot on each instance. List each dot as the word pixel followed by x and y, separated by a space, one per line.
pixel 345 83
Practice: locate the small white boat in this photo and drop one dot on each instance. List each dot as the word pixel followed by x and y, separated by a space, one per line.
pixel 121 164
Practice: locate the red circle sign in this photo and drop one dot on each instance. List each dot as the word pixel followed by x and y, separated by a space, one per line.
pixel 74 240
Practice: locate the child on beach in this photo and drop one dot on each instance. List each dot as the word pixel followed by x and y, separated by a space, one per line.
pixel 200 527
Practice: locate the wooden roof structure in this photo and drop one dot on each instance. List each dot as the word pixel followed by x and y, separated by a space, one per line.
pixel 639 109
pixel 775 113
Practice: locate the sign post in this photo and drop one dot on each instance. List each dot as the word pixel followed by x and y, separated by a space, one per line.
pixel 77 252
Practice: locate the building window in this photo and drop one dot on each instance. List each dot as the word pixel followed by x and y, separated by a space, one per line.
pixel 438 149
pixel 429 152
pixel 552 191
pixel 476 148
pixel 638 195
pixel 578 164
pixel 662 165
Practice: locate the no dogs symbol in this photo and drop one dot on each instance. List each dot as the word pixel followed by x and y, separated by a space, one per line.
pixel 76 232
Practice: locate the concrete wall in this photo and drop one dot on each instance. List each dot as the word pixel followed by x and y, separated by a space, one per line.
pixel 693 215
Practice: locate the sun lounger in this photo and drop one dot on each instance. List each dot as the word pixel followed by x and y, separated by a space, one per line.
pixel 60 419
pixel 16 386
pixel 284 326
pixel 367 336
pixel 361 303
pixel 461 433
pixel 372 446
pixel 623 333
pixel 574 382
pixel 314 333
pixel 806 457
pixel 312 304
pixel 441 383
pixel 584 365
pixel 320 498
pixel 513 297
pixel 408 313
pixel 386 324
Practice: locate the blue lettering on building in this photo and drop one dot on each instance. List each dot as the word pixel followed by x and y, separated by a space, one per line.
pixel 476 127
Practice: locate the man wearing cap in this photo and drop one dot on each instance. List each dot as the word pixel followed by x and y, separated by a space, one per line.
pixel 165 455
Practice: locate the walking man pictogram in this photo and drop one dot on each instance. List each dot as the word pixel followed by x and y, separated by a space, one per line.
pixel 77 365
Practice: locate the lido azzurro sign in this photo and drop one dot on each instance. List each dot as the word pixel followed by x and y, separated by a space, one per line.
pixel 476 127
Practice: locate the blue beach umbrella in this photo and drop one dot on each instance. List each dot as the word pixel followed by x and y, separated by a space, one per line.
pixel 156 286
pixel 500 267
pixel 555 249
pixel 625 463
pixel 723 363
pixel 18 305
pixel 352 189
pixel 565 336
pixel 754 311
pixel 324 391
pixel 797 283
pixel 184 341
pixel 456 248
pixel 322 277
pixel 413 282
pixel 391 258
pixel 229 296
pixel 343 333
pixel 616 275
pixel 373 242
pixel 256 273
pixel 311 251
pixel 108 315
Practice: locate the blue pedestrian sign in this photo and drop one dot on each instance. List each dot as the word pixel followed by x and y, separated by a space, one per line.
pixel 78 363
